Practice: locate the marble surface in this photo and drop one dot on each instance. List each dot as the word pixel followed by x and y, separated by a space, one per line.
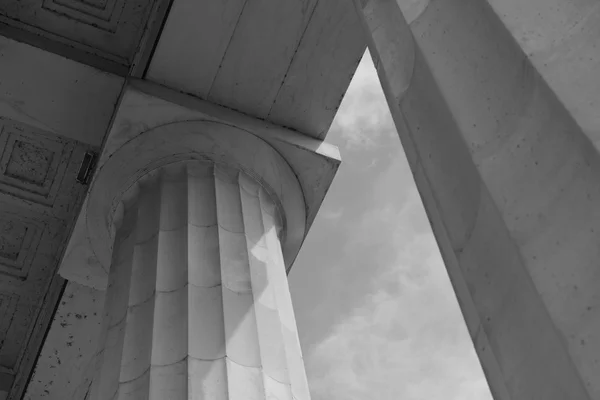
pixel 146 106
pixel 198 305
pixel 193 140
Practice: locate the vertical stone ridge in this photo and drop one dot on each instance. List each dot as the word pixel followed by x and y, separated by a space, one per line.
pixel 243 361
pixel 169 366
pixel 277 274
pixel 198 305
pixel 137 350
pixel 275 372
pixel 206 359
pixel 106 383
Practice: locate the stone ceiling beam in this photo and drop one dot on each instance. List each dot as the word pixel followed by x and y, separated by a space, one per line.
pixel 288 62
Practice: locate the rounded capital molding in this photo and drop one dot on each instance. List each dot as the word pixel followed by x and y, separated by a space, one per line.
pixel 194 140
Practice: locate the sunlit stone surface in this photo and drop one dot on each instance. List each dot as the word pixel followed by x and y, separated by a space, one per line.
pixel 198 305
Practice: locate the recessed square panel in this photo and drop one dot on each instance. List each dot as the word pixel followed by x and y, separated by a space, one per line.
pixel 29 163
pixel 39 198
pixel 32 164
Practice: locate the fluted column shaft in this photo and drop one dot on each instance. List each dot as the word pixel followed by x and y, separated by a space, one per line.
pixel 198 305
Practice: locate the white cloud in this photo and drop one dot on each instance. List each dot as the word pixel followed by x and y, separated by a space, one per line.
pixel 363 116
pixel 331 213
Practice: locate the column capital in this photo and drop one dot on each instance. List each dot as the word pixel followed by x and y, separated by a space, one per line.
pixel 155 126
pixel 208 141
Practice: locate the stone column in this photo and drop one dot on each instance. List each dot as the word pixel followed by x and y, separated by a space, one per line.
pixel 505 155
pixel 198 305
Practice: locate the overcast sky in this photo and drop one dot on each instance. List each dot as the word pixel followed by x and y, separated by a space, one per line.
pixel 377 316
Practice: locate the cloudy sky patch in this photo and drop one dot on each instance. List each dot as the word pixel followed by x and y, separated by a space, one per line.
pixel 376 313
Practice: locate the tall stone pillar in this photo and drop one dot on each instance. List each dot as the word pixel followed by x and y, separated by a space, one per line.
pixel 198 305
pixel 504 151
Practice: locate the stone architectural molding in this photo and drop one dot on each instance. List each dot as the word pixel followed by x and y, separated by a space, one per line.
pixel 111 29
pixel 106 84
pixel 32 164
pixel 197 304
pixel 195 224
pixel 38 204
pixel 293 170
pixel 200 140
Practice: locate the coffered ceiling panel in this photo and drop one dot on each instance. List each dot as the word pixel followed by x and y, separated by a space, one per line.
pixel 39 197
pixel 109 28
